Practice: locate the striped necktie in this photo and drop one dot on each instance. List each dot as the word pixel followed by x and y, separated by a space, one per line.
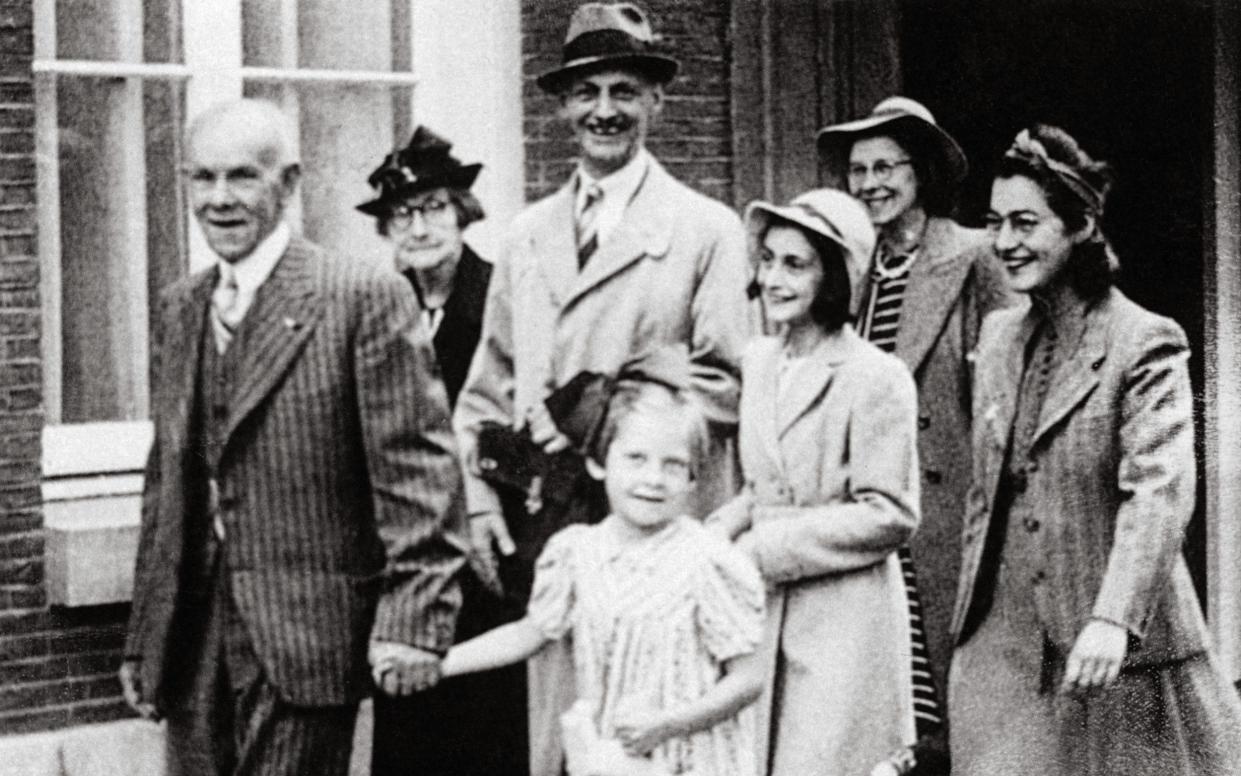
pixel 226 308
pixel 587 227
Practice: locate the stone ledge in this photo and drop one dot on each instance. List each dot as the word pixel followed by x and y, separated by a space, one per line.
pixel 132 747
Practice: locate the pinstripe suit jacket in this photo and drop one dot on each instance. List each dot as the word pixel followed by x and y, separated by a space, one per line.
pixel 1114 483
pixel 339 486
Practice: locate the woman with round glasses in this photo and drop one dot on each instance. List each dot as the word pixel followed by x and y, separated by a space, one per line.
pixel 422 206
pixel 1081 647
pixel 929 284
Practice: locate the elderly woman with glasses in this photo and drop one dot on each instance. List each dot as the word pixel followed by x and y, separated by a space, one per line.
pixel 422 205
pixel 1081 647
pixel 929 284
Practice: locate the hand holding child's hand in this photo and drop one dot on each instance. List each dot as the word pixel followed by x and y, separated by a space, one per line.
pixel 640 727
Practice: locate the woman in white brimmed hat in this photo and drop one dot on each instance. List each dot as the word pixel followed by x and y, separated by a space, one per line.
pixel 827 439
pixel 929 284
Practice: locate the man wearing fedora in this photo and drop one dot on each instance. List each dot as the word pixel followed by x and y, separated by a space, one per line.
pixel 622 259
pixel 300 513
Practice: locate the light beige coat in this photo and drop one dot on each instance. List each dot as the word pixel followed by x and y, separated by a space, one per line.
pixel 673 271
pixel 831 485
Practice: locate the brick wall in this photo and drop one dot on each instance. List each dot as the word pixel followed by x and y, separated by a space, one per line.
pixel 692 137
pixel 57 667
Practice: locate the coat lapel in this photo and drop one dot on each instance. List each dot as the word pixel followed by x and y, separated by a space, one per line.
pixel 813 378
pixel 1006 383
pixel 1078 376
pixel 761 389
pixel 645 230
pixel 184 343
pixel 553 245
pixel 935 283
pixel 284 313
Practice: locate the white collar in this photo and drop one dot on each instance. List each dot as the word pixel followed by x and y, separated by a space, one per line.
pixel 252 270
pixel 618 187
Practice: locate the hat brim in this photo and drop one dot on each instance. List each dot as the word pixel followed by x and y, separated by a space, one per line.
pixel 835 141
pixel 660 69
pixel 759 217
pixel 462 177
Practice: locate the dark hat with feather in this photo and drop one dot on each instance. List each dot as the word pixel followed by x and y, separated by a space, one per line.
pixel 422 165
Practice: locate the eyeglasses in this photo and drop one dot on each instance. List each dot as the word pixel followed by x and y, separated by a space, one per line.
pixel 433 211
pixel 881 170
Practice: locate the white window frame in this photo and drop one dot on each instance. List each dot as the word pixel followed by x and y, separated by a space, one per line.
pixel 471 46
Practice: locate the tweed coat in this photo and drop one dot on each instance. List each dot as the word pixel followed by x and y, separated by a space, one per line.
pixel 338 484
pixel 831 471
pixel 954 283
pixel 1113 478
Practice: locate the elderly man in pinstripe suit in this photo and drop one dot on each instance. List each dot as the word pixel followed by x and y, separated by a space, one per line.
pixel 301 507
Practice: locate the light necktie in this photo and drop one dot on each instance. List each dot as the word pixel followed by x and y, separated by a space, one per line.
pixel 226 308
pixel 587 226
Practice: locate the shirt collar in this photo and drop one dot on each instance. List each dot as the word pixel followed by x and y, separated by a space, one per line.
pixel 252 270
pixel 618 186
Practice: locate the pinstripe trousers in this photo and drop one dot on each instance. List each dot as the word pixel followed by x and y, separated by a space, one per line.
pixel 231 720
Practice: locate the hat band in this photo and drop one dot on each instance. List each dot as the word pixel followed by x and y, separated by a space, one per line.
pixel 599 43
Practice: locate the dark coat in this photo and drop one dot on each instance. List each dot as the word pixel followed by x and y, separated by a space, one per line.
pixel 339 485
pixel 462 324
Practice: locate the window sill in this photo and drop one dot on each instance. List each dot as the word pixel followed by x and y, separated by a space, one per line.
pixel 92 499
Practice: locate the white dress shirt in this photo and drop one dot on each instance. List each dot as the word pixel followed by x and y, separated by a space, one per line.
pixel 618 189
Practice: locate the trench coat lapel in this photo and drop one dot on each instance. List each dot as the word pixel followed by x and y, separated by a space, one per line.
pixel 554 245
pixel 813 379
pixel 1077 377
pixel 645 230
pixel 935 283
pixel 277 326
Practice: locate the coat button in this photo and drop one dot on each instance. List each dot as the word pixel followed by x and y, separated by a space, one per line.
pixel 933 477
pixel 1031 524
pixel 924 422
pixel 1039 576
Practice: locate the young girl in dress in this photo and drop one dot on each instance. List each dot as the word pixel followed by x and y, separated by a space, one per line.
pixel 665 616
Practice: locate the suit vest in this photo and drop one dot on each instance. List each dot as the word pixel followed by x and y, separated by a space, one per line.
pixel 214 387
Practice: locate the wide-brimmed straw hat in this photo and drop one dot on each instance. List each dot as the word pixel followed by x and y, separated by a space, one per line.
pixel 828 212
pixel 899 114
pixel 609 34
pixel 422 165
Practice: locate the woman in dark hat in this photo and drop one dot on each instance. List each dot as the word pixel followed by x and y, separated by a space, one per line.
pixel 929 284
pixel 827 443
pixel 1081 647
pixel 472 725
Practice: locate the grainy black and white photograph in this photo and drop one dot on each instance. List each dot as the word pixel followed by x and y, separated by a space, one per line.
pixel 643 388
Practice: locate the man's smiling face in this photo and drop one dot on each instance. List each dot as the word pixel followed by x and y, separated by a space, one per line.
pixel 610 112
pixel 239 184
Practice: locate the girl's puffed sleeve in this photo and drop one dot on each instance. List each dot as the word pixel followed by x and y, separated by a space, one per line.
pixel 551 600
pixel 730 597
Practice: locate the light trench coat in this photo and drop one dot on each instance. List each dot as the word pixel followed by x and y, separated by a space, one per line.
pixel 674 271
pixel 831 490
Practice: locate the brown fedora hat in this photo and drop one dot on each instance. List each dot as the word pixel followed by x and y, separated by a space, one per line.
pixel 423 164
pixel 609 35
pixel 836 140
